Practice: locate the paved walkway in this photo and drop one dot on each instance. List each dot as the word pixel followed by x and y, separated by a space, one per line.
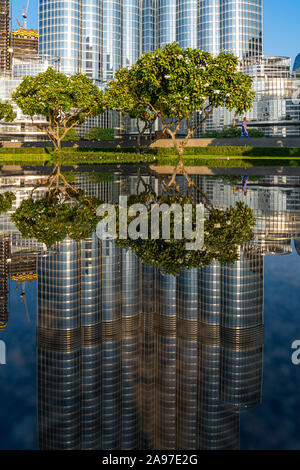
pixel 235 142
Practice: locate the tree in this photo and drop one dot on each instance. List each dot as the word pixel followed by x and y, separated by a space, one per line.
pixel 174 83
pixel 224 231
pixel 65 102
pixel 64 212
pixel 7 113
pixel 121 95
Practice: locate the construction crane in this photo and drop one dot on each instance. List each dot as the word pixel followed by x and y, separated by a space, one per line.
pixel 24 14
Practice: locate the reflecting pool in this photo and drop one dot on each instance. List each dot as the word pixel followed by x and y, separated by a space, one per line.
pixel 102 351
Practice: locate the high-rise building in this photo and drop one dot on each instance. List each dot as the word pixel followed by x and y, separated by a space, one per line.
pixel 296 66
pixel 4 35
pixel 24 42
pixel 97 37
pixel 91 36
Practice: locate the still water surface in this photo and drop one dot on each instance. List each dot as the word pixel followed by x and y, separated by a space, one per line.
pixel 104 352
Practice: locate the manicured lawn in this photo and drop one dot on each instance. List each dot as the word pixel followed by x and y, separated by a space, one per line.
pixel 194 156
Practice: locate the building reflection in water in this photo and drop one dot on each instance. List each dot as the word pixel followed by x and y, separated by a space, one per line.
pixel 131 358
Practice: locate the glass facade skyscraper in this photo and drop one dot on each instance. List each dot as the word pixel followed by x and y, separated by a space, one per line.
pixel 97 37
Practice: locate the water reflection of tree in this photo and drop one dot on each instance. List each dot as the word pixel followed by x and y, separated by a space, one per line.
pixel 64 211
pixel 224 229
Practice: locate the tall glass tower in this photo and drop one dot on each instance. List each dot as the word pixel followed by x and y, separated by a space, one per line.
pixel 97 37
pixel 231 26
pixel 4 35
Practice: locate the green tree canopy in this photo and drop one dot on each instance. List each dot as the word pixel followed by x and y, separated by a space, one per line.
pixel 121 95
pixel 64 101
pixel 7 113
pixel 173 83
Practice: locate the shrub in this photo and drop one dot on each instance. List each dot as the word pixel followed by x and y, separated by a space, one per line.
pixel 97 133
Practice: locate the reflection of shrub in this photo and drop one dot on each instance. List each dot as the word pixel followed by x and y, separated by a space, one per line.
pixel 96 133
pixel 56 217
pixel 224 232
pixel 231 132
pixel 6 201
pixel 98 177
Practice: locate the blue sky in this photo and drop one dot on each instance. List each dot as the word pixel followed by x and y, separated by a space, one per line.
pixel 281 24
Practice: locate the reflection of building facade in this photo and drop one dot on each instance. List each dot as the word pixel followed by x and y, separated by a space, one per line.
pixel 275 201
pixel 132 358
pixel 118 350
pixel 22 187
pixel 4 255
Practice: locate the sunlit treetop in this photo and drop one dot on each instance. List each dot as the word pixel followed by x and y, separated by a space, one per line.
pixel 175 82
pixel 7 113
pixel 64 101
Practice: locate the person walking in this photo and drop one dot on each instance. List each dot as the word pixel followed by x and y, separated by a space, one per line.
pixel 244 184
pixel 244 128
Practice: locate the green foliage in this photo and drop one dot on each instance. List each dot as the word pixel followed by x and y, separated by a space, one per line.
pixel 64 101
pixel 97 177
pixel 54 218
pixel 173 83
pixel 255 133
pixel 97 133
pixel 122 95
pixel 158 151
pixel 231 132
pixel 70 136
pixel 7 113
pixel 224 232
pixel 6 201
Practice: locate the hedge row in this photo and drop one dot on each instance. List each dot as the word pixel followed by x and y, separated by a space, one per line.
pixel 219 151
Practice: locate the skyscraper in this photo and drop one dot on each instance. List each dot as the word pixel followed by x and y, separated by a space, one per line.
pixel 4 35
pixel 24 42
pixel 97 37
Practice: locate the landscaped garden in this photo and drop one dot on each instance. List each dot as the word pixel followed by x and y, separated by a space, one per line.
pixel 178 88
